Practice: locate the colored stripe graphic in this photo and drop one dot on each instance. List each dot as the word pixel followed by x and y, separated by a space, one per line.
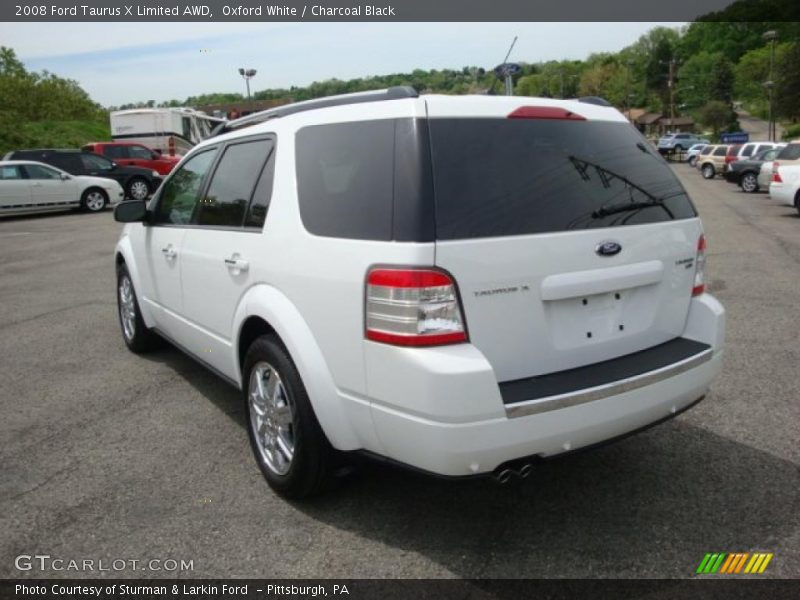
pixel 733 562
pixel 703 563
pixel 727 564
pixel 766 562
pixel 741 562
pixel 718 562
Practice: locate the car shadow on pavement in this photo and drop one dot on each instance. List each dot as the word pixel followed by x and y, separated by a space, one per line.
pixel 218 391
pixel 648 506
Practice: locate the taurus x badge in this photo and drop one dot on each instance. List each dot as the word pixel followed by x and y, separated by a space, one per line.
pixel 608 248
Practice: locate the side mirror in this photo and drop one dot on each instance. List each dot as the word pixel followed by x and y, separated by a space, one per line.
pixel 156 153
pixel 113 165
pixel 65 177
pixel 130 211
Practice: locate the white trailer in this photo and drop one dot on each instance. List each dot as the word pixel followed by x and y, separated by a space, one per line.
pixel 173 131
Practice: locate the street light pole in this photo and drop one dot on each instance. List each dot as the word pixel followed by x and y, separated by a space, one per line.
pixel 672 93
pixel 247 74
pixel 771 36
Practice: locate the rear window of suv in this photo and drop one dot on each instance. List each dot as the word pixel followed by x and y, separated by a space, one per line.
pixel 500 177
pixel 411 179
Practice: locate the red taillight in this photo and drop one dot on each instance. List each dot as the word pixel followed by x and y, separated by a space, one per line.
pixel 776 177
pixel 413 307
pixel 545 112
pixel 700 267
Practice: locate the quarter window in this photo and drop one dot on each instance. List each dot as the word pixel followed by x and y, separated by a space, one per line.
pixel 180 192
pixel 228 196
pixel 345 179
pixel 10 172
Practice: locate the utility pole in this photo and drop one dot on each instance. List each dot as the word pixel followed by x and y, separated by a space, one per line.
pixel 771 36
pixel 627 105
pixel 672 93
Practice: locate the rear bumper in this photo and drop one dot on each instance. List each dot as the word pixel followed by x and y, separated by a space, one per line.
pixel 485 434
pixel 781 193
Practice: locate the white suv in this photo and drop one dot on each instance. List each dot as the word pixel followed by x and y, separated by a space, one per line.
pixel 459 284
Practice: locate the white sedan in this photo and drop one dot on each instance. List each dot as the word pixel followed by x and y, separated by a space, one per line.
pixel 27 186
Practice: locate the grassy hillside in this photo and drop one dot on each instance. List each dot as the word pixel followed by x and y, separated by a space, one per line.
pixel 52 134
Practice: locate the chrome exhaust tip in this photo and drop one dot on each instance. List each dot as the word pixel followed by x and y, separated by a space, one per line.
pixel 525 470
pixel 503 476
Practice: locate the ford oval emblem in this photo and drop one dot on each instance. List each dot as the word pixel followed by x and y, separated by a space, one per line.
pixel 608 248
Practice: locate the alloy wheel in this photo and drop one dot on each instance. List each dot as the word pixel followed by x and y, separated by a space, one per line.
pixel 127 308
pixel 271 417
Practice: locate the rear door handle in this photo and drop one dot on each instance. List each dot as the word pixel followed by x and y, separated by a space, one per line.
pixel 237 265
pixel 169 252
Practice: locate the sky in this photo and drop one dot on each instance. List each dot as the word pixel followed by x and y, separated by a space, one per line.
pixel 118 63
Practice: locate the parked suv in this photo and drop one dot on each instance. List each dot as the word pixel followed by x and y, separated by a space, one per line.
pixel 714 162
pixel 678 142
pixel 129 154
pixel 460 284
pixel 138 183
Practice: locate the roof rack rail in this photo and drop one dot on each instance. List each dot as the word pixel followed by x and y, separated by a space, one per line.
pixel 392 93
pixel 594 100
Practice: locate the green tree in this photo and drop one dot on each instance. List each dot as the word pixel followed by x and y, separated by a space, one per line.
pixel 787 83
pixel 717 115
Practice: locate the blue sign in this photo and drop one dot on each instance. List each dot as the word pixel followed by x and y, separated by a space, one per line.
pixel 740 137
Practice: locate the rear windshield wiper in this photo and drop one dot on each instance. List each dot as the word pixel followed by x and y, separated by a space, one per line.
pixel 605 211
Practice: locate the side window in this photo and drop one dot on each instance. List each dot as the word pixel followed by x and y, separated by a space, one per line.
pixel 186 125
pixel 228 196
pixel 180 192
pixel 257 212
pixel 10 172
pixel 71 162
pixel 139 152
pixel 345 179
pixel 92 162
pixel 115 152
pixel 747 150
pixel 41 172
pixel 721 151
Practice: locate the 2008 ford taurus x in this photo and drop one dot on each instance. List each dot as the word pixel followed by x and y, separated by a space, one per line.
pixel 458 284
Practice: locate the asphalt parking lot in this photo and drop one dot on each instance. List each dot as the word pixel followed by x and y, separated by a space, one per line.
pixel 106 455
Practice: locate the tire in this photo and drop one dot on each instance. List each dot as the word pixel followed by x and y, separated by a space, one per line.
pixel 138 338
pixel 287 441
pixel 708 171
pixel 797 202
pixel 94 200
pixel 749 183
pixel 678 149
pixel 692 161
pixel 137 188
